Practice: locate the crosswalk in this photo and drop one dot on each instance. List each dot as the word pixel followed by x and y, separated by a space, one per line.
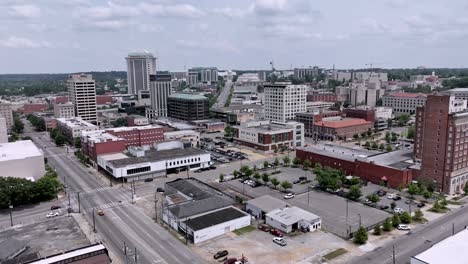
pixel 107 206
pixel 90 191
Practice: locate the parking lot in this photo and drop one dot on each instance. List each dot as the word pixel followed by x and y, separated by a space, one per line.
pixel 258 247
pixel 330 207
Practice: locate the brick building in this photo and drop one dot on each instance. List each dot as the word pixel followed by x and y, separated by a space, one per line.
pixel 366 114
pixel 267 135
pixel 339 127
pixel 322 97
pixel 95 143
pixel 138 136
pixel 104 99
pixel 393 168
pixel 32 108
pixel 312 117
pixel 441 142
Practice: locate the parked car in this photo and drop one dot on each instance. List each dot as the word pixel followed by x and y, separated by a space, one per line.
pixel 391 196
pixel 397 198
pixel 149 180
pixel 264 228
pixel 280 241
pixel 230 261
pixel 289 196
pixel 398 210
pixel 49 215
pixel 420 205
pixel 276 232
pixel 367 201
pixel 100 212
pixel 54 207
pixel 403 227
pixel 383 207
pixel 380 193
pixel 297 181
pixel 212 167
pixel 220 254
pixel 159 189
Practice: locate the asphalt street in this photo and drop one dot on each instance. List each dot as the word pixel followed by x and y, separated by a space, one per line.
pixel 223 96
pixel 122 222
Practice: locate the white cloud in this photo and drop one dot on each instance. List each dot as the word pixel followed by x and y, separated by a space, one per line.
pixel 147 28
pixel 178 10
pixel 19 42
pixel 111 24
pixel 220 45
pixel 25 11
pixel 230 12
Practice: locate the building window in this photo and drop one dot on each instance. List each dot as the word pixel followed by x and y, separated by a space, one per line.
pixel 138 170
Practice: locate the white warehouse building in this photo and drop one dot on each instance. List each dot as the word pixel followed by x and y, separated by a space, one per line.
pixel 289 219
pixel 21 159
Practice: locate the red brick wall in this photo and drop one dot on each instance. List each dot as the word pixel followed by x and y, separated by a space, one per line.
pixel 103 99
pixel 31 108
pixel 140 137
pixel 368 115
pixel 351 130
pixel 321 97
pixel 107 147
pixel 367 171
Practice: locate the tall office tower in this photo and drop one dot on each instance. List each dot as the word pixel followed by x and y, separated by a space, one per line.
pixel 7 113
pixel 202 75
pixel 160 89
pixel 82 93
pixel 284 100
pixel 140 65
pixel 441 143
pixel 3 130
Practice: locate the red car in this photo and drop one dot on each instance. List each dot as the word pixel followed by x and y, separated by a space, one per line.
pixel 265 228
pixel 230 261
pixel 276 233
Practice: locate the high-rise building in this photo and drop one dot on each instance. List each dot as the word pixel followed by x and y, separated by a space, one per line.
pixel 160 89
pixel 202 74
pixel 82 94
pixel 284 100
pixel 441 142
pixel 66 110
pixel 7 113
pixel 3 131
pixel 301 73
pixel 140 66
pixel 188 106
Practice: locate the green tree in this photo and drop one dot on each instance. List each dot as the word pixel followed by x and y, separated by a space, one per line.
pixel 427 195
pixel 377 230
pixel 465 189
pixel 274 182
pixel 276 162
pixel 235 173
pixel 374 145
pixel 364 135
pixel 412 189
pixel 381 146
pixel 394 137
pixel 275 149
pixel 266 164
pixel 436 206
pixel 369 132
pixel 430 187
pixel 443 203
pixel 296 161
pixel 405 218
pixel 18 125
pixel 283 148
pixel 389 122
pixel 265 178
pixel 387 225
pixel 53 133
pixel 355 136
pixel 392 205
pixel 228 131
pixel 77 142
pixel 396 220
pixel 286 160
pixel 246 171
pixel 306 164
pixel 418 215
pixel 411 132
pixel 367 144
pixel 120 122
pixel 257 176
pixel 387 137
pixel 403 119
pixel 361 236
pixel 354 193
pixel 59 139
pixel 286 185
pixel 373 198
pixel 389 148
pixel 221 177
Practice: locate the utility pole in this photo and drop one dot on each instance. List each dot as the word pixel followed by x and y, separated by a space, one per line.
pixel 394 260
pixel 156 210
pixel 136 258
pixel 188 176
pixel 308 195
pixel 79 204
pixel 453 229
pixel 347 201
pixel 94 222
pixel 360 220
pixel 122 181
pixel 11 214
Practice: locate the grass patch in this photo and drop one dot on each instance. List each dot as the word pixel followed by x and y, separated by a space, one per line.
pixel 420 221
pixel 455 202
pixel 439 211
pixel 334 254
pixel 244 230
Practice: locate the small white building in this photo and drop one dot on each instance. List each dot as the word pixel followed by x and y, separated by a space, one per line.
pixel 450 250
pixel 289 219
pixel 191 136
pixel 215 224
pixel 71 127
pixel 262 205
pixel 21 159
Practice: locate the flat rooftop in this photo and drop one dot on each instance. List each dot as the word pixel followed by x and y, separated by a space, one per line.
pixel 121 129
pixel 181 133
pixel 19 150
pixel 214 218
pixel 267 203
pixel 341 152
pixel 75 122
pixel 450 250
pixel 153 156
pixel 97 136
pixel 340 122
pixel 291 215
pixel 398 159
pixel 188 96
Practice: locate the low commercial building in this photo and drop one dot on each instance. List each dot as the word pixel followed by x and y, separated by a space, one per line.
pixel 21 159
pixel 322 97
pixel 138 135
pixel 95 143
pixel 191 136
pixel 237 114
pixel 211 211
pixel 136 120
pixel 313 116
pixel 71 128
pixel 96 253
pixel 393 168
pixel 263 205
pixel 65 110
pixel 340 128
pixel 32 108
pixel 188 106
pixel 139 164
pixel 215 224
pixel 268 136
pixel 450 250
pixel 404 103
pixel 290 219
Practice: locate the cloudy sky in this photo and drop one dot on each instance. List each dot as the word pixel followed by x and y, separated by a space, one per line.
pixel 49 36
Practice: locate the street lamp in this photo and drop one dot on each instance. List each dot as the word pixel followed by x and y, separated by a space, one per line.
pixel 11 215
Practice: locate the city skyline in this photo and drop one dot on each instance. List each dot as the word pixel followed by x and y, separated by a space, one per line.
pixel 95 35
